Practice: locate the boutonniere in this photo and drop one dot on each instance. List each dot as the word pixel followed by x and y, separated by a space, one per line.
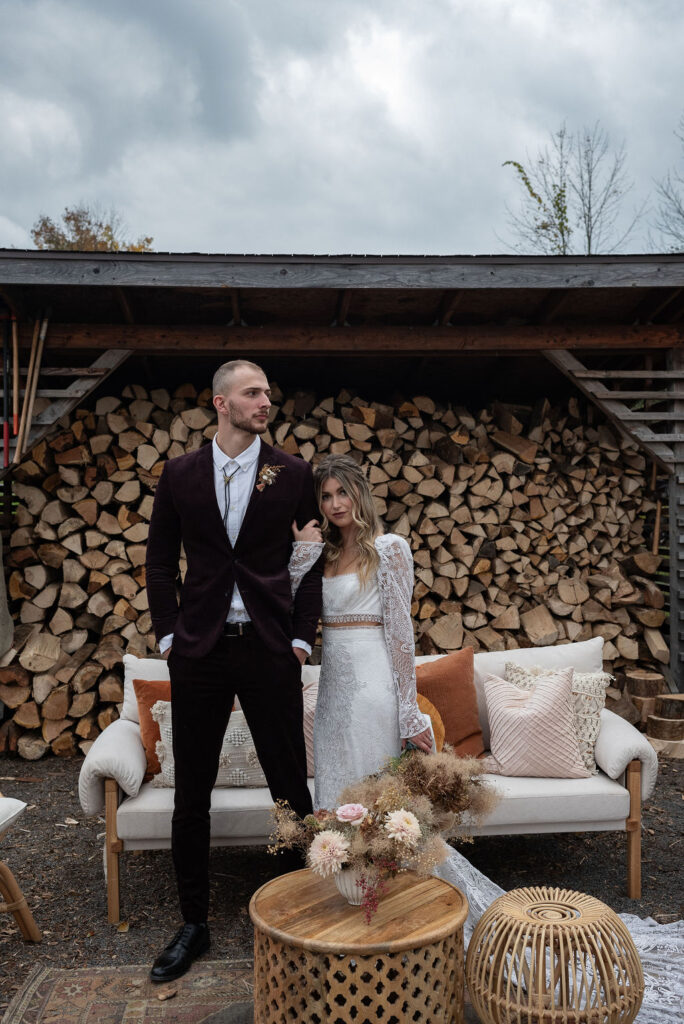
pixel 267 476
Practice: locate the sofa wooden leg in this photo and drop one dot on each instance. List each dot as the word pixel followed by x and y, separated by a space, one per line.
pixel 113 847
pixel 15 903
pixel 633 826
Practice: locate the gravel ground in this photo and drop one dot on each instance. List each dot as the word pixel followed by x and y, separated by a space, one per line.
pixel 55 853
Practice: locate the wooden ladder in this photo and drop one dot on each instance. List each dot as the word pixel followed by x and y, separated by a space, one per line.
pixel 63 400
pixel 619 405
pixel 635 408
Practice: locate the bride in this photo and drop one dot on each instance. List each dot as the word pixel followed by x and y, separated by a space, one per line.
pixel 367 707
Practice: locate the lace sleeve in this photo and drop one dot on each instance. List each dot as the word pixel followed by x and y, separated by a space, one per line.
pixel 395 580
pixel 305 554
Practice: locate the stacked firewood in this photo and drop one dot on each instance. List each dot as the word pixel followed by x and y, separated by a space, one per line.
pixel 527 528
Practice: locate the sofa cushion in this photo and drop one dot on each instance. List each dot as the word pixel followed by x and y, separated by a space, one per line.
pixel 147 693
pixel 139 668
pixel 448 684
pixel 238 761
pixel 429 709
pixel 309 698
pixel 588 700
pixel 527 805
pixel 586 656
pixel 10 810
pixel 533 731
pixel 540 804
pixel 235 813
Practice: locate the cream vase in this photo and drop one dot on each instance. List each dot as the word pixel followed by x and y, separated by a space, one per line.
pixel 347 880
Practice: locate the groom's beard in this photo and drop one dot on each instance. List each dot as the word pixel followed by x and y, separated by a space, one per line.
pixel 240 422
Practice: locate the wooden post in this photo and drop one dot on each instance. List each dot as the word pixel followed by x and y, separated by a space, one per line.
pixel 633 827
pixel 675 364
pixel 15 376
pixel 27 387
pixel 113 847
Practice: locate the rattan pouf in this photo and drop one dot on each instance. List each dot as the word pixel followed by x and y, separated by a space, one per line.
pixel 317 961
pixel 553 956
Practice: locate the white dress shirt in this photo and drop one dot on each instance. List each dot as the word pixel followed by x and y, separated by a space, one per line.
pixel 242 471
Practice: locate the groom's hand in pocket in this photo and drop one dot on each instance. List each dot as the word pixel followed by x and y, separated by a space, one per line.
pixel 300 654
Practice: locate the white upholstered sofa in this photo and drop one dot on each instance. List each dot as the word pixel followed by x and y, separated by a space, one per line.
pixel 138 814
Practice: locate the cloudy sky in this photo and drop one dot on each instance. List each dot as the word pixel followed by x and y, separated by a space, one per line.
pixel 322 125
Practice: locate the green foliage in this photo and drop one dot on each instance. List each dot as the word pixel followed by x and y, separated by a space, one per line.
pixel 552 224
pixel 86 229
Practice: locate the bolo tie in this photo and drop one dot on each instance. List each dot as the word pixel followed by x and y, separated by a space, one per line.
pixel 226 493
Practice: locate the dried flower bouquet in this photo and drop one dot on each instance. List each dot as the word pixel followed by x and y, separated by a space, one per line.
pixel 395 820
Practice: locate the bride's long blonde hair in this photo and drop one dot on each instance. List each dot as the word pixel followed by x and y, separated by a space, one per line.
pixel 350 475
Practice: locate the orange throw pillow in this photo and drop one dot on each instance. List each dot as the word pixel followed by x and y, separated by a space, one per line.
pixel 449 684
pixel 147 693
pixel 428 708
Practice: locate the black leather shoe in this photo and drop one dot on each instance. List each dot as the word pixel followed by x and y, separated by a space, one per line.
pixel 188 943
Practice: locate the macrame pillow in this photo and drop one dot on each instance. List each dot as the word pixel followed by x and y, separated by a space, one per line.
pixel 238 761
pixel 532 731
pixel 588 700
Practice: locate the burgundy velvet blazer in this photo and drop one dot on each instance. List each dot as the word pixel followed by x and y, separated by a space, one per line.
pixel 186 511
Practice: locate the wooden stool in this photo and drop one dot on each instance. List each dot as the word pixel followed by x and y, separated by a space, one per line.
pixel 556 956
pixel 12 898
pixel 316 961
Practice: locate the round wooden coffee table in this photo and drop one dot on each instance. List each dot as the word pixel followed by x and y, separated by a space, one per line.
pixel 316 961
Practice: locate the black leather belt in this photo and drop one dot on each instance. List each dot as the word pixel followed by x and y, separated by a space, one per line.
pixel 237 628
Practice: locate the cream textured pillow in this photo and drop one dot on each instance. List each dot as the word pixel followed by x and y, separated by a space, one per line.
pixel 588 698
pixel 533 731
pixel 238 761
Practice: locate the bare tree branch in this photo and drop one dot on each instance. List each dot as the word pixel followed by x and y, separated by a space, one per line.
pixel 670 216
pixel 574 188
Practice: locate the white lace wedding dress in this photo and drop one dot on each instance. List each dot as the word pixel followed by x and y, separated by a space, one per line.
pixel 367 704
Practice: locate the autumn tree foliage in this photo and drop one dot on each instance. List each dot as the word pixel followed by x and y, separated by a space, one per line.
pixel 84 228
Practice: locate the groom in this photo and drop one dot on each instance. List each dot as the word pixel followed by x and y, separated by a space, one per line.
pixel 230 629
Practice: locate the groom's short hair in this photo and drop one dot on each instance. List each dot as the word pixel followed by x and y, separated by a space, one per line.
pixel 222 377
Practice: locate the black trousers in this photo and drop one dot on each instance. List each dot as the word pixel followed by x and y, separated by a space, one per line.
pixel 203 690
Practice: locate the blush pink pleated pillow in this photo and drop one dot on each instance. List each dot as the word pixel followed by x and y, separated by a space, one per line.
pixel 533 731
pixel 310 697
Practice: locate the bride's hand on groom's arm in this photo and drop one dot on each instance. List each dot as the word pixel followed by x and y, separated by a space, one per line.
pixel 311 531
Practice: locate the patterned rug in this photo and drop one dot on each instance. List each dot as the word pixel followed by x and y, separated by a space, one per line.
pixel 212 992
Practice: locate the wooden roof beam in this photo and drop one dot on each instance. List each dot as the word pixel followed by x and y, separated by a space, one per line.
pixel 124 305
pixel 447 307
pixel 550 305
pixel 650 308
pixel 675 312
pixel 362 339
pixel 12 299
pixel 188 270
pixel 343 303
pixel 237 320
